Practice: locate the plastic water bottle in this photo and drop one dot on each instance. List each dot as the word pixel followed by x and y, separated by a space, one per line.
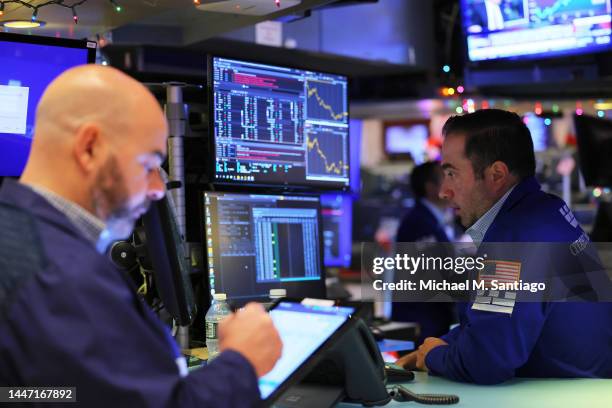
pixel 217 311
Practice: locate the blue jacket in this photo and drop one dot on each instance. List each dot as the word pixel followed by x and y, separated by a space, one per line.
pixel 420 223
pixel 537 339
pixel 68 317
pixel 434 318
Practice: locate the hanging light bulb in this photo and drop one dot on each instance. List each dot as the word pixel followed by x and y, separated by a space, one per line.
pixel 35 14
pixel 75 18
pixel 579 110
pixel 117 6
pixel 1 8
pixel 538 108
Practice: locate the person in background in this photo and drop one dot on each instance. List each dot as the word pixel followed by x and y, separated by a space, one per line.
pixel 489 166
pixel 68 316
pixel 428 221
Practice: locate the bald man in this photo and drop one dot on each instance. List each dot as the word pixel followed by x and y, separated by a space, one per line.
pixel 68 317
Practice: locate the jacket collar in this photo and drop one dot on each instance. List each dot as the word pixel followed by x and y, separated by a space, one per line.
pixel 521 190
pixel 21 196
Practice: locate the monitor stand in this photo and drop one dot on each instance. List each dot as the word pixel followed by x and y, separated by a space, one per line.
pixel 310 395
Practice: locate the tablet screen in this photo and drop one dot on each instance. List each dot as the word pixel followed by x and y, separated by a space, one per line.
pixel 303 329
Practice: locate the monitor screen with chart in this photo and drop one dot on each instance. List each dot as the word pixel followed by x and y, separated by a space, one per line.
pixel 279 126
pixel 520 29
pixel 257 242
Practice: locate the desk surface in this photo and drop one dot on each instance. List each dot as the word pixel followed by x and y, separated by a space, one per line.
pixel 516 393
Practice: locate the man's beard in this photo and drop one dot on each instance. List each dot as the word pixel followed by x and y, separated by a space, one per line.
pixel 111 197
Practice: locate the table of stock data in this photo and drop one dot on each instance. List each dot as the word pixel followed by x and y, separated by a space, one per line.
pixel 275 123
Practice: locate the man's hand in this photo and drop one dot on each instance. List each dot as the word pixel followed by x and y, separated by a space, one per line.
pixel 250 332
pixel 416 359
pixel 429 344
pixel 408 361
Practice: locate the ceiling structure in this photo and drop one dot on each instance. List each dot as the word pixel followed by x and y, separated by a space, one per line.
pixel 184 28
pixel 99 16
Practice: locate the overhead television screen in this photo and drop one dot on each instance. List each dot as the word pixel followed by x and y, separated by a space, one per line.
pixel 500 29
pixel 27 65
pixel 276 125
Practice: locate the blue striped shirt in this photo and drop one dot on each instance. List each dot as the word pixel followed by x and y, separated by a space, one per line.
pixel 478 230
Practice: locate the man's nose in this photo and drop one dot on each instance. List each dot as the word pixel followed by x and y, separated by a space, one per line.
pixel 157 187
pixel 445 192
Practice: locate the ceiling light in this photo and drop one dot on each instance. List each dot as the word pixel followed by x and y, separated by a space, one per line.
pixel 22 24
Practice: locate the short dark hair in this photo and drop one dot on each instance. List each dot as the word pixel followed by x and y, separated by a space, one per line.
pixel 428 172
pixel 495 135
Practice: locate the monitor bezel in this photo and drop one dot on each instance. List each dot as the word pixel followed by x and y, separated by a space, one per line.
pixel 322 284
pixel 275 187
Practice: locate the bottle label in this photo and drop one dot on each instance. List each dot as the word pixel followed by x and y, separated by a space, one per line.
pixel 211 330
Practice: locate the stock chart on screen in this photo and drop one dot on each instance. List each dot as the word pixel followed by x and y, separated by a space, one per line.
pixel 257 242
pixel 535 28
pixel 279 126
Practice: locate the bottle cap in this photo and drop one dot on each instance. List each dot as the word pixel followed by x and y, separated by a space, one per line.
pixel 278 293
pixel 219 296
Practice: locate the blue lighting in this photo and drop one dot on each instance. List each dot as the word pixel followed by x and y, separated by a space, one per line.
pixel 547 121
pixel 601 114
pixel 446 68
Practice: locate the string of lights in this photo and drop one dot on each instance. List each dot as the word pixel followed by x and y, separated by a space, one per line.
pixel 61 3
pixel 199 2
pixel 73 6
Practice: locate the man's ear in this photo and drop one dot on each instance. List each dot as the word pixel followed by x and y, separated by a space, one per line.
pixel 498 174
pixel 88 147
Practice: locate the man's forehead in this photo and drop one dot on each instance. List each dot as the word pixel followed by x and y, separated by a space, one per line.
pixel 454 143
pixel 453 150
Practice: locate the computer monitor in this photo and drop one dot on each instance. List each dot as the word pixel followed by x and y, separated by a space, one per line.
pixel 169 259
pixel 407 140
pixel 27 65
pixel 594 137
pixel 278 126
pixel 337 212
pixel 496 29
pixel 255 243
pixel 540 130
pixel 355 132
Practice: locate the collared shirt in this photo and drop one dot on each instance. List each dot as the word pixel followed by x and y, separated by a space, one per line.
pixel 435 210
pixel 480 227
pixel 88 224
pixel 442 218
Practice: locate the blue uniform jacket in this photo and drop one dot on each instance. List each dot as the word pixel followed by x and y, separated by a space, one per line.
pixel 537 339
pixel 68 317
pixel 419 224
pixel 434 318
